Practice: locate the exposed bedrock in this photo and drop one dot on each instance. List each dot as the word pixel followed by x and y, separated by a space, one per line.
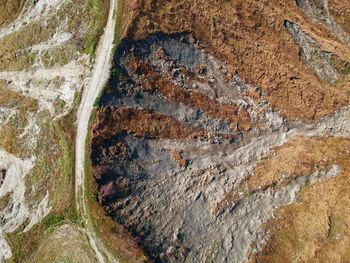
pixel 326 65
pixel 318 10
pixel 176 132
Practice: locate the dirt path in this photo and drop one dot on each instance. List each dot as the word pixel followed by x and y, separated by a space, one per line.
pixel 99 77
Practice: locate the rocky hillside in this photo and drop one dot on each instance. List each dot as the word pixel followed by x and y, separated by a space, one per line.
pixel 223 133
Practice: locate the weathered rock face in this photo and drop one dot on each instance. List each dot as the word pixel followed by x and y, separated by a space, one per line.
pixel 319 11
pixel 184 148
pixel 177 133
pixel 165 148
pixel 323 63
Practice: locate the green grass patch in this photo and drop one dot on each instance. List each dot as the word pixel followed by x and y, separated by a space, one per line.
pixel 87 164
pixel 53 221
pixel 16 245
pixel 65 149
pixel 61 55
pixel 95 26
pixel 118 23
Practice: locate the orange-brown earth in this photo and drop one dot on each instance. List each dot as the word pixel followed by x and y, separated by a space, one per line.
pixel 138 122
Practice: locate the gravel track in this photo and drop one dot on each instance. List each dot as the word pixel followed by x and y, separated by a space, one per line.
pixel 98 79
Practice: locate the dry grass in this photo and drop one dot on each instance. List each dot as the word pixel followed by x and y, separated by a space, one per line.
pixel 53 172
pixel 316 228
pixel 67 245
pixel 129 14
pixel 176 155
pixel 11 130
pixel 298 157
pixel 8 139
pixel 10 9
pixel 341 13
pixel 116 236
pixel 251 37
pixel 110 123
pixel 13 53
pixel 86 20
pixel 10 98
pixel 61 55
pixel 54 166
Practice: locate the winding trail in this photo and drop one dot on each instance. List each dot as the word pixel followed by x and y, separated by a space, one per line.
pixel 98 79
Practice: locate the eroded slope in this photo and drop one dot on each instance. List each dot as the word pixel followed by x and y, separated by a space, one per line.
pixel 219 116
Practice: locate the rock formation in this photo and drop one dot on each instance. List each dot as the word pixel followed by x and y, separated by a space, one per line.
pixel 218 124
